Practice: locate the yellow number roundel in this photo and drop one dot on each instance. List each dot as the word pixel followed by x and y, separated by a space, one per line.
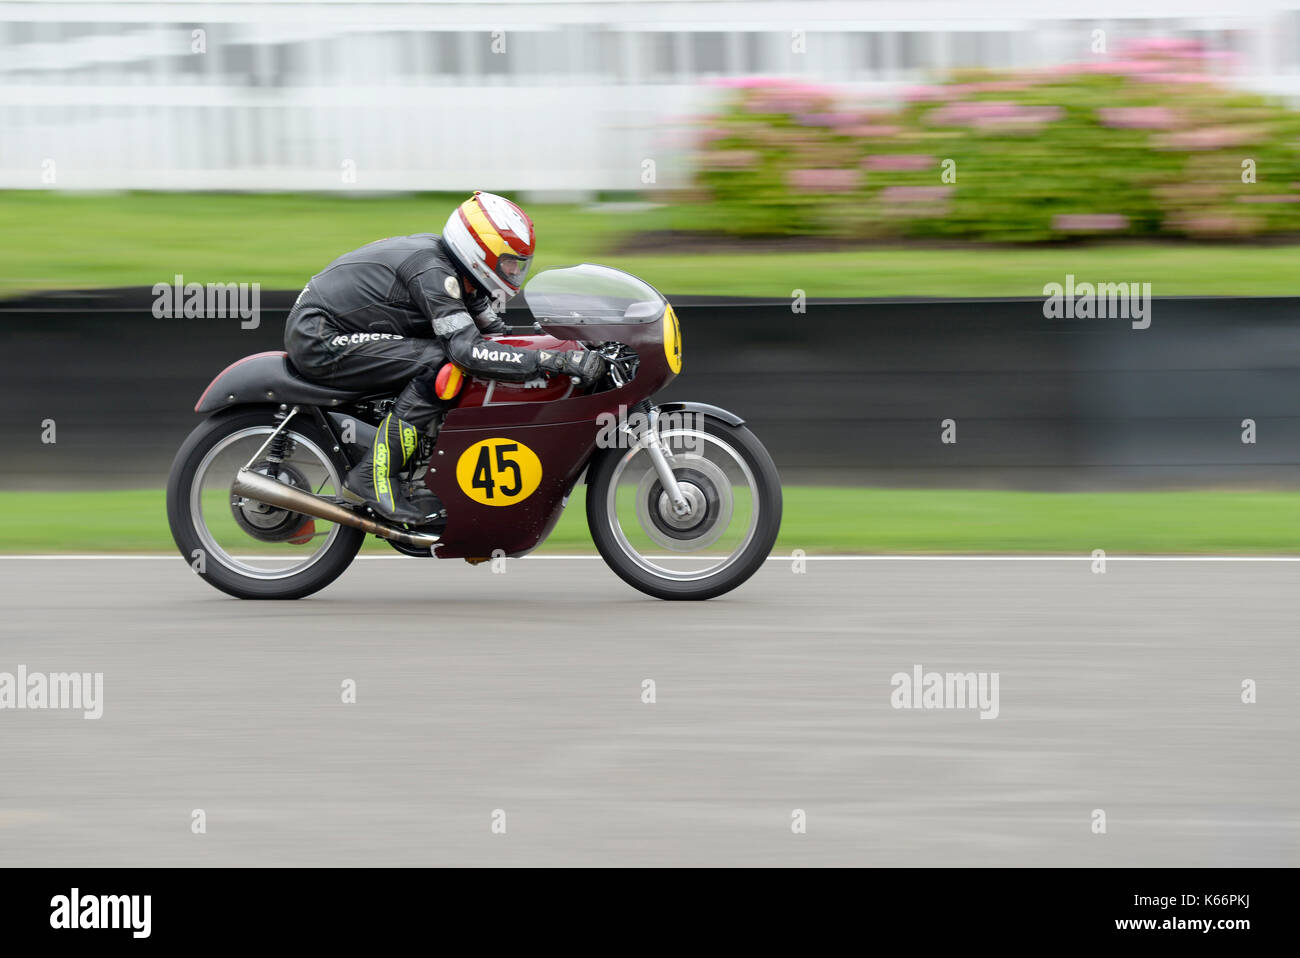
pixel 498 472
pixel 672 340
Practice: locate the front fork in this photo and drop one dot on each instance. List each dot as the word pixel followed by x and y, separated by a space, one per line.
pixel 661 456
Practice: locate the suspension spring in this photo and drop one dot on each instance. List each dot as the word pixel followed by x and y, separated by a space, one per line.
pixel 275 454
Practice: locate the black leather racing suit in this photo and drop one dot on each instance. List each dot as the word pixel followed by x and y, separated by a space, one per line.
pixel 388 316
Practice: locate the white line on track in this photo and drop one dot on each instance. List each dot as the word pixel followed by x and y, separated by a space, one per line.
pixel 103 557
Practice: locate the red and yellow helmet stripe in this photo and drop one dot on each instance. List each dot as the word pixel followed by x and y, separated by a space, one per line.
pixel 492 237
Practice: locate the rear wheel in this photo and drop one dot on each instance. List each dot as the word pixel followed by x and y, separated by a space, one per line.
pixel 734 493
pixel 243 547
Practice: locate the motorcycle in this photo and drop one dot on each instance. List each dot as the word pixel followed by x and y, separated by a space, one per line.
pixel 682 500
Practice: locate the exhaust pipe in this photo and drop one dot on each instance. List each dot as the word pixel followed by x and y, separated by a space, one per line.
pixel 254 485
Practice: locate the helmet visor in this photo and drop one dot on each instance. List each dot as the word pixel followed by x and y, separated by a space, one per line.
pixel 513 268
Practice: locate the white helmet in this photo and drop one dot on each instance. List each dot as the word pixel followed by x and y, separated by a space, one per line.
pixel 492 241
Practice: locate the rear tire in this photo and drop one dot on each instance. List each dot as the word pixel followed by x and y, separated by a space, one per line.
pixel 208 434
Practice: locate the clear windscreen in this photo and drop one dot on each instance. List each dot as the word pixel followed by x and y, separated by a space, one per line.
pixel 592 293
pixel 513 269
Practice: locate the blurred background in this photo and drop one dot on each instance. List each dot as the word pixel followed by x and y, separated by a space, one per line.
pixel 857 207
pixel 550 98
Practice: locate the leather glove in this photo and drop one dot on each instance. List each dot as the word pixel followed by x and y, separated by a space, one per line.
pixel 583 364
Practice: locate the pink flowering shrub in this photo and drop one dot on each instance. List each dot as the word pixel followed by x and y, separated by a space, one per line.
pixel 1151 142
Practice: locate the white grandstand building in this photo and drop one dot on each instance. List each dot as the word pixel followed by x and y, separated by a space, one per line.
pixel 540 96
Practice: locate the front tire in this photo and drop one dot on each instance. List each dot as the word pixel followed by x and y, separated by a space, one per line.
pixel 730 455
pixel 193 509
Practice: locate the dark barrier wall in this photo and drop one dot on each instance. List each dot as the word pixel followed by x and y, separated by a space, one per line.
pixel 848 392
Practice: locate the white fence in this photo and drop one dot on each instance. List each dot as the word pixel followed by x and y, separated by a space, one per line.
pixel 533 96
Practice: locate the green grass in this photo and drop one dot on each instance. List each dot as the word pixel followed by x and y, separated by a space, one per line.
pixel 817 520
pixel 65 241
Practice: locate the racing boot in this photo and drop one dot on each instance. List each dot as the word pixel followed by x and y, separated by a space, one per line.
pixel 374 482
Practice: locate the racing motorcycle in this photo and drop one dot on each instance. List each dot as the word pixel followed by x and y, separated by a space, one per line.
pixel 682 500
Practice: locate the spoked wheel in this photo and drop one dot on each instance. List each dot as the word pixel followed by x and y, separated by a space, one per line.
pixel 733 514
pixel 247 548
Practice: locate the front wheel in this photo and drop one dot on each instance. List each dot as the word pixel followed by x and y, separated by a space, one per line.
pixel 734 493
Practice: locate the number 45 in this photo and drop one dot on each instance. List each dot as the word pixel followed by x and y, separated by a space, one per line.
pixel 488 474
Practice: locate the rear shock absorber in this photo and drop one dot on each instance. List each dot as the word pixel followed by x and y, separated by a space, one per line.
pixel 275 453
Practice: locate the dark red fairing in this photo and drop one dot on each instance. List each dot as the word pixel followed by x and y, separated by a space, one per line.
pixel 561 431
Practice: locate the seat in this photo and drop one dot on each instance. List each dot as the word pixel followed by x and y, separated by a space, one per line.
pixel 267 378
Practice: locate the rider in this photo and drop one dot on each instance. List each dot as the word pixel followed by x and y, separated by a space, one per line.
pixel 392 314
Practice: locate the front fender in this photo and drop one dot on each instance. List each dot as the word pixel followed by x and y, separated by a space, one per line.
pixel 699 408
pixel 703 408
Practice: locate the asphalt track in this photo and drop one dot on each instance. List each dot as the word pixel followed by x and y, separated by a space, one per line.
pixel 522 692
